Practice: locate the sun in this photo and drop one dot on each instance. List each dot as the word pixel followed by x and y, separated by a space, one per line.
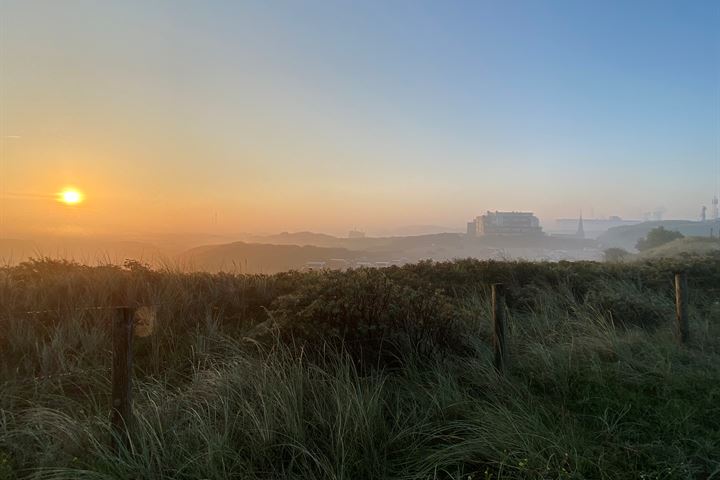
pixel 70 196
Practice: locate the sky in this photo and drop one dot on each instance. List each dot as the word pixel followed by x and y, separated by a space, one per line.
pixel 267 116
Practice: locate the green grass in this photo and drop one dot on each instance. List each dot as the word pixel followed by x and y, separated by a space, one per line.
pixel 597 385
pixel 697 246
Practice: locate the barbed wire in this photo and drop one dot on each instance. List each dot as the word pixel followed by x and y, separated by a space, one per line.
pixel 84 309
pixel 77 309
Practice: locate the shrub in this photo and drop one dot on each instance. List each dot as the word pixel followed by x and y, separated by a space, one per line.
pixel 367 313
pixel 656 237
pixel 615 254
pixel 580 398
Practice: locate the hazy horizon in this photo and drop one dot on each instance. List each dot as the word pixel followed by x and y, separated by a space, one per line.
pixel 218 118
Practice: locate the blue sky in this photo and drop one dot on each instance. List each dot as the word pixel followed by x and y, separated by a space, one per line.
pixel 330 115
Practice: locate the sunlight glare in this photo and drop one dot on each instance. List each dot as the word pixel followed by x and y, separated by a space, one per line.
pixel 71 196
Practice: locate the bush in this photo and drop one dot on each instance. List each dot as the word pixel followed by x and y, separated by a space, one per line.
pixel 369 314
pixel 616 254
pixel 580 398
pixel 656 237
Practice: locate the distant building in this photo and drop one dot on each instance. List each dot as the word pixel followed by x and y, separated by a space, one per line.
pixel 472 229
pixel 579 233
pixel 580 230
pixel 314 266
pixel 591 227
pixel 356 234
pixel 505 223
pixel 654 216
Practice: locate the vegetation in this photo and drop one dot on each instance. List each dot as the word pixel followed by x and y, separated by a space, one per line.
pixel 706 248
pixel 657 237
pixel 616 254
pixel 684 247
pixel 365 374
pixel 627 236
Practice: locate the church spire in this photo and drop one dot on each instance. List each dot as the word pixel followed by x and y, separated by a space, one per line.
pixel 580 231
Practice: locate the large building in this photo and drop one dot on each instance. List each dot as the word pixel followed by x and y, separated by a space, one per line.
pixel 472 228
pixel 505 223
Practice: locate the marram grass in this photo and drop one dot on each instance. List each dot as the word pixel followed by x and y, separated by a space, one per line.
pixel 597 385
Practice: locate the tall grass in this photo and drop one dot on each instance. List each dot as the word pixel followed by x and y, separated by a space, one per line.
pixel 597 385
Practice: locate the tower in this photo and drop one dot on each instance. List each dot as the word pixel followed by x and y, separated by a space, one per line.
pixel 580 231
pixel 715 213
pixel 703 213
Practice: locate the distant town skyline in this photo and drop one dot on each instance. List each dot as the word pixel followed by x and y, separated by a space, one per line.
pixel 225 117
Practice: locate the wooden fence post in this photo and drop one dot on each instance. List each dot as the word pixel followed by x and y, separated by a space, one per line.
pixel 121 413
pixel 498 312
pixel 681 306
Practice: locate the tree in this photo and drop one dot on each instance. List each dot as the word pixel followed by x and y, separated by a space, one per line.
pixel 616 254
pixel 656 237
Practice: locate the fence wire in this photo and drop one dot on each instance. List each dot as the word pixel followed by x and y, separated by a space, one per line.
pixel 60 311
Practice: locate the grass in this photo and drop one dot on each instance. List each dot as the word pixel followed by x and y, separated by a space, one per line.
pixel 699 246
pixel 597 385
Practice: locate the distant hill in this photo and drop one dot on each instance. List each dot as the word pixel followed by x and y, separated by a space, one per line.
pixel 410 230
pixel 295 238
pixel 626 236
pixel 699 246
pixel 362 243
pixel 249 257
pixel 241 257
pixel 285 251
pixel 365 243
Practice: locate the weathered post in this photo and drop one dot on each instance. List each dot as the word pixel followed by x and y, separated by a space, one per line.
pixel 498 312
pixel 121 412
pixel 681 306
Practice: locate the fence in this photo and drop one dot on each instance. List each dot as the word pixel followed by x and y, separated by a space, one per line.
pixel 124 329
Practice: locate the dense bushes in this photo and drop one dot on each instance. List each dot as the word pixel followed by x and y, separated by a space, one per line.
pixel 657 237
pixel 370 314
pixel 386 313
pixel 597 386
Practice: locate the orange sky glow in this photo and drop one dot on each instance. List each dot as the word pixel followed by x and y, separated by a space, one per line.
pixel 248 118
